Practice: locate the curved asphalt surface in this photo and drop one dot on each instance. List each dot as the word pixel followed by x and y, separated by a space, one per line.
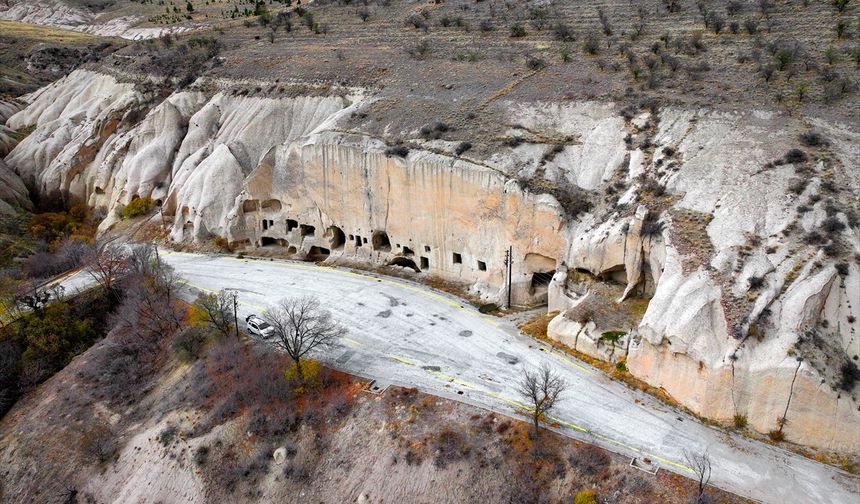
pixel 406 334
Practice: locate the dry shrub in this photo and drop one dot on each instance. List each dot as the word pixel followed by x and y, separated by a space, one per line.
pixel 235 379
pixel 585 497
pixel 223 244
pixel 450 446
pixel 776 435
pixel 99 442
pixel 589 459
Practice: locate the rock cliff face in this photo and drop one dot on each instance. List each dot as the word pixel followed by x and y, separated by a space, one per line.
pixel 712 251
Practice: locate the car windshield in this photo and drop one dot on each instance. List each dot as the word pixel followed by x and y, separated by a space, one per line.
pixel 263 325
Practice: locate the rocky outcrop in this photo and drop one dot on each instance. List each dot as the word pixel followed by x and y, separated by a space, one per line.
pixel 698 258
pixel 13 193
pixel 340 196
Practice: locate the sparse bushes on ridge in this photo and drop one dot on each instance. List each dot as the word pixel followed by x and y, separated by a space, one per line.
pixel 563 33
pixel 419 50
pixel 573 200
pixel 399 150
pixel 187 59
pixel 755 282
pixel 832 225
pixel 518 31
pixel 434 131
pixel 591 45
pixel 849 375
pixel 652 227
pixel 534 64
pixel 813 139
pixel 776 435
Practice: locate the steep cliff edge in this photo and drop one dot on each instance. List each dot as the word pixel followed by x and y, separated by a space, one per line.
pixel 713 251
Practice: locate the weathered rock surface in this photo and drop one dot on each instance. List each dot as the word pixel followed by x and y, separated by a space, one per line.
pixel 694 265
pixel 13 192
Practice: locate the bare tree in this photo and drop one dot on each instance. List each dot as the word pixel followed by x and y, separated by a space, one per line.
pixel 218 310
pixel 98 442
pixel 107 265
pixel 149 307
pixel 300 326
pixel 541 388
pixel 701 467
pixel 33 297
pixel 143 260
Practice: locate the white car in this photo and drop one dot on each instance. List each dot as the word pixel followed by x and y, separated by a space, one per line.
pixel 258 327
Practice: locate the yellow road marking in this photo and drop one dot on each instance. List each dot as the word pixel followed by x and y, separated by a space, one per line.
pixel 574 426
pixel 682 466
pixel 451 378
pixel 565 359
pixel 619 443
pixel 510 401
pixel 401 359
pixel 351 341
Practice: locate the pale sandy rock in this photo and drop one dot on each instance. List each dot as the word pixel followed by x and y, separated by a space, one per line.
pixel 586 338
pixel 207 196
pixel 723 170
pixel 13 192
pixel 142 462
pixel 236 133
pixel 425 207
pixel 596 128
pixel 636 166
pixel 68 116
pixel 8 108
pixel 7 140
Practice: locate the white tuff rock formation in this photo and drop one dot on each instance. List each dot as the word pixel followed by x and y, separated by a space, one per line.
pixel 694 266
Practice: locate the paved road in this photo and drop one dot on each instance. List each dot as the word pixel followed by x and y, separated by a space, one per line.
pixel 406 334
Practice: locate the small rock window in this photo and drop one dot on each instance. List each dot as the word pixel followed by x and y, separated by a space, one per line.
pixel 482 266
pixel 458 259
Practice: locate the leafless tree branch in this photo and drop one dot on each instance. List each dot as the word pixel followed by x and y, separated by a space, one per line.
pixel 300 326
pixel 541 388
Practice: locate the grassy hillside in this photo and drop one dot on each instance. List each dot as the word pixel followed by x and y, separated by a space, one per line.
pixel 33 55
pixel 798 55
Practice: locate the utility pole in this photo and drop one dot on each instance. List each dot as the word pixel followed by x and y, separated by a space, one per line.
pixel 235 314
pixel 508 268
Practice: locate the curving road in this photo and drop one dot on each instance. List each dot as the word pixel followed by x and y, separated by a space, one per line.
pixel 406 334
